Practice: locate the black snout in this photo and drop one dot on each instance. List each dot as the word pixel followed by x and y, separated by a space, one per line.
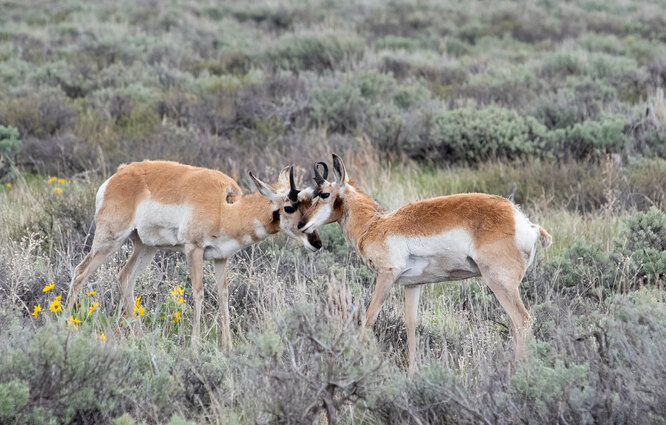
pixel 301 224
pixel 314 240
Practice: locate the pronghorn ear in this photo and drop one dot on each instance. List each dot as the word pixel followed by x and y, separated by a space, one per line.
pixel 283 179
pixel 340 172
pixel 262 187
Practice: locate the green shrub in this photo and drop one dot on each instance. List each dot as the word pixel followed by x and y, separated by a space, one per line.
pixel 40 113
pixel 585 266
pixel 548 380
pixel 562 64
pixel 13 398
pixel 645 242
pixel 407 96
pixel 474 135
pixel 9 140
pixel 341 109
pixel 590 138
pixel 313 51
pixel 320 363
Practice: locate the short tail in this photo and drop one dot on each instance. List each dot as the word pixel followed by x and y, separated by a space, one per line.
pixel 546 239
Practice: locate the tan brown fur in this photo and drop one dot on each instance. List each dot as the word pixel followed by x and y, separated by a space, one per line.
pixel 219 213
pixel 501 252
pixel 172 183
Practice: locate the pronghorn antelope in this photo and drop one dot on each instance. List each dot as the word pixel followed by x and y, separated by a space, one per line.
pixel 202 212
pixel 440 239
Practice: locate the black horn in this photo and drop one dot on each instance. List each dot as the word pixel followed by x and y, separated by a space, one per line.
pixel 293 192
pixel 318 178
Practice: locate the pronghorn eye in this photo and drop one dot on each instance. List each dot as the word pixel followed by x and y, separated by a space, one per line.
pixel 324 195
pixel 289 209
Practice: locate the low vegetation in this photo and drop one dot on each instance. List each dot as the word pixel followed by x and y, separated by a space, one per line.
pixel 562 104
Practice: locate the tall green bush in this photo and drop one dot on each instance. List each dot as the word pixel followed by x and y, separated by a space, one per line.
pixel 474 135
pixel 9 140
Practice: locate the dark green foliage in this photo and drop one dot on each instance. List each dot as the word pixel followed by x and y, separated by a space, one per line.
pixel 589 138
pixel 9 140
pixel 472 135
pixel 645 243
pixel 314 52
pixel 586 267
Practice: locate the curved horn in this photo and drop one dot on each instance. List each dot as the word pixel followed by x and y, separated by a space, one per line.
pixel 318 178
pixel 293 192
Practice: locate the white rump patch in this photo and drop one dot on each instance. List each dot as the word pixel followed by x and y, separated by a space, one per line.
pixel 99 199
pixel 527 235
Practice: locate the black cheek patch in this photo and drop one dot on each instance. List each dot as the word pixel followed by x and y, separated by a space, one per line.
pixel 276 215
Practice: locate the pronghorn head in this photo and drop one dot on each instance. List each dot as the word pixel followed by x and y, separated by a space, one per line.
pixel 327 197
pixel 290 203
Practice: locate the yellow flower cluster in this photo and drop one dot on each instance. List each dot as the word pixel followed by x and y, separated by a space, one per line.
pixel 73 321
pixel 175 316
pixel 59 180
pixel 9 185
pixel 37 308
pixel 58 190
pixel 93 306
pixel 48 287
pixel 101 337
pixel 55 305
pixel 177 294
pixel 138 309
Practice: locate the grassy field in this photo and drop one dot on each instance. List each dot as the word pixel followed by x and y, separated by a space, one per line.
pixel 562 103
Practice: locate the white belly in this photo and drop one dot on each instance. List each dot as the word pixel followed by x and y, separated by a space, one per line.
pixel 162 225
pixel 437 258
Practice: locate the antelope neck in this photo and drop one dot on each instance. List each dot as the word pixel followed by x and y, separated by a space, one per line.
pixel 360 213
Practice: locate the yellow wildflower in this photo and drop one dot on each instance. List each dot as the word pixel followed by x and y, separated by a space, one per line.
pixel 55 305
pixel 48 287
pixel 38 308
pixel 57 190
pixel 69 182
pixel 176 316
pixel 93 306
pixel 137 308
pixel 61 181
pixel 73 321
pixel 101 337
pixel 9 185
pixel 91 293
pixel 52 179
pixel 176 293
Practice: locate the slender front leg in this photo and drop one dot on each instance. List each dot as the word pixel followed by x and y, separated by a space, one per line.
pixel 194 255
pixel 223 299
pixel 412 294
pixel 382 285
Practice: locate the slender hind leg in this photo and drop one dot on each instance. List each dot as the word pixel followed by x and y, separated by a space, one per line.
pixel 223 300
pixel 141 256
pixel 194 255
pixel 100 250
pixel 502 267
pixel 412 294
